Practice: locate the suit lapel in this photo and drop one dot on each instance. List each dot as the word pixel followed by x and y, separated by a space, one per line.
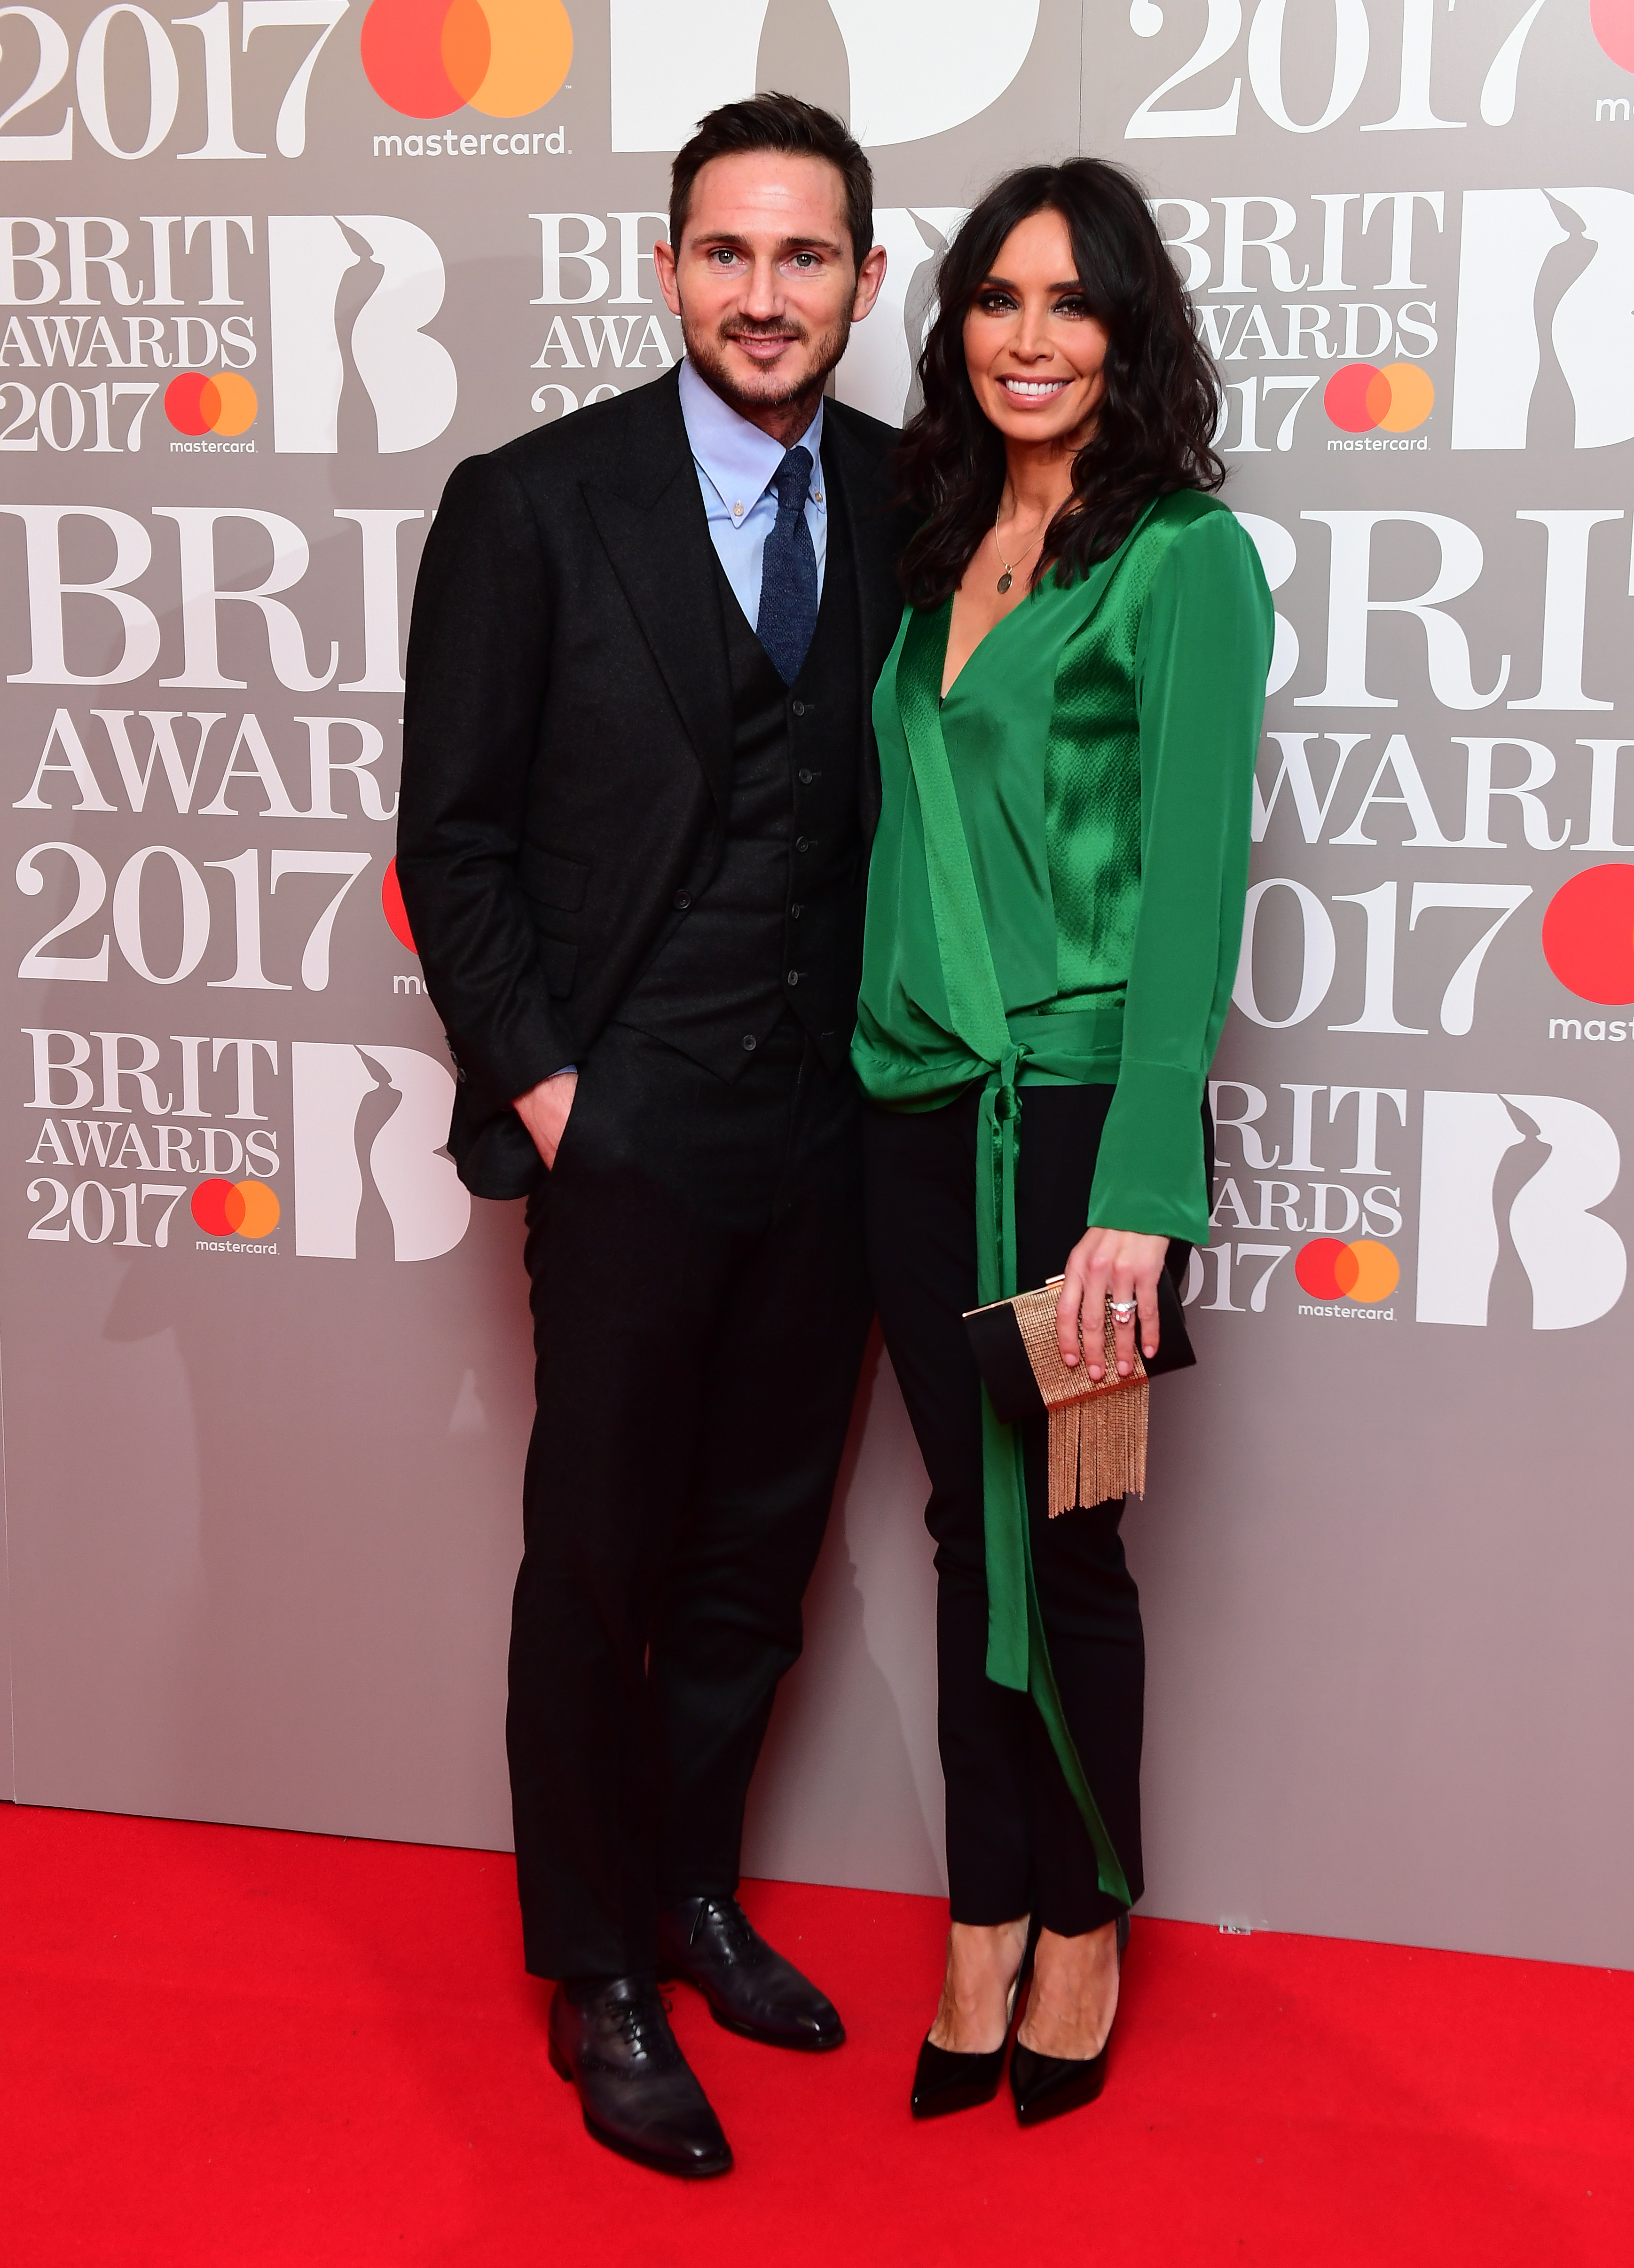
pixel 652 525
pixel 863 500
pixel 855 484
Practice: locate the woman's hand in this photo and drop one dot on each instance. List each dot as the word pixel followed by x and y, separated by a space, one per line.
pixel 1122 1264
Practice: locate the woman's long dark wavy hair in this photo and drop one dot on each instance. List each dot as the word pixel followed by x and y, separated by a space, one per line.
pixel 1155 424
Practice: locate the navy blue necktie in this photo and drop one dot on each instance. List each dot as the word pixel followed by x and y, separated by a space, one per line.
pixel 788 615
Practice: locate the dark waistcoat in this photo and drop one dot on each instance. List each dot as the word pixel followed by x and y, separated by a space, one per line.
pixel 776 924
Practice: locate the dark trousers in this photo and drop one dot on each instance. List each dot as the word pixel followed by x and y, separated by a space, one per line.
pixel 1016 1843
pixel 700 1306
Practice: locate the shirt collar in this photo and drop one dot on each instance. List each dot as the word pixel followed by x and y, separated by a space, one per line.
pixel 737 459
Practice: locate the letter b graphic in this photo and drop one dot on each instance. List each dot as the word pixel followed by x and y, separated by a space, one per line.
pixel 1575 1261
pixel 409 378
pixel 429 1206
pixel 1509 236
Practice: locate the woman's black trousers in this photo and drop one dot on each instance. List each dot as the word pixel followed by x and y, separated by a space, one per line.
pixel 1016 1843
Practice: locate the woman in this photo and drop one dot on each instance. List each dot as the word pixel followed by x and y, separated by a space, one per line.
pixel 1067 730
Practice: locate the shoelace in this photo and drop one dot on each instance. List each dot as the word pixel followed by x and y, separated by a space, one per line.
pixel 644 2022
pixel 737 1932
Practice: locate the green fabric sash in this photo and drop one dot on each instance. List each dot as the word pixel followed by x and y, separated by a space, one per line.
pixel 1072 1047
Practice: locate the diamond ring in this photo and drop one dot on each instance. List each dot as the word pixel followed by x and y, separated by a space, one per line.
pixel 1123 1310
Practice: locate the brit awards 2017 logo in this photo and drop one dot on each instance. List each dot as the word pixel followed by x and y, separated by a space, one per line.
pixel 1538 1165
pixel 502 57
pixel 207 1118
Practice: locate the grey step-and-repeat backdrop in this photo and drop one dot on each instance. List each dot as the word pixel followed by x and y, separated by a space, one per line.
pixel 268 270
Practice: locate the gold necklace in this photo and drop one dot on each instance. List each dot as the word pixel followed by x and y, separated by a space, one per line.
pixel 1009 575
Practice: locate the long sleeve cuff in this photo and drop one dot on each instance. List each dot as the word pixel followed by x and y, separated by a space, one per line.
pixel 1149 1176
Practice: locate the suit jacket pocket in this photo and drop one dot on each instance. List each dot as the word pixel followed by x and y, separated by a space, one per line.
pixel 550 879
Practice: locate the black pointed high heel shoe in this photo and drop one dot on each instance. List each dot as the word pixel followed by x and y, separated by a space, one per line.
pixel 1047 2086
pixel 945 2082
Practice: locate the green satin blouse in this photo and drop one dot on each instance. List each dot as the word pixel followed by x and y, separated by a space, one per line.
pixel 1101 741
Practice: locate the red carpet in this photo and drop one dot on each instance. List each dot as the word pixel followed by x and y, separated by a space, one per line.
pixel 224 2049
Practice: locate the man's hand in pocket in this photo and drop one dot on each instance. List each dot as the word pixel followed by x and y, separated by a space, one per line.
pixel 545 1110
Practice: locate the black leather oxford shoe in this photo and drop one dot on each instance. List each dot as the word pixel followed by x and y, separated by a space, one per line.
pixel 636 2088
pixel 712 1944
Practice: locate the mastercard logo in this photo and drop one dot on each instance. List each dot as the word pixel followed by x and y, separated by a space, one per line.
pixel 393 907
pixel 1397 398
pixel 235 1208
pixel 1588 935
pixel 1364 1271
pixel 1614 27
pixel 503 57
pixel 218 403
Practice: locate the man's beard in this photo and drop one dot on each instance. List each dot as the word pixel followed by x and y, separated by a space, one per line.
pixel 706 351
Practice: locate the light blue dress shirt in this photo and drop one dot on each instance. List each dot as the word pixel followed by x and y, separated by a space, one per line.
pixel 735 462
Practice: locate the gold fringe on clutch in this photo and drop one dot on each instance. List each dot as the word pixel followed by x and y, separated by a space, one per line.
pixel 1097 1431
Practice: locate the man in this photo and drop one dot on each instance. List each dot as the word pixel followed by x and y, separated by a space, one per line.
pixel 638 785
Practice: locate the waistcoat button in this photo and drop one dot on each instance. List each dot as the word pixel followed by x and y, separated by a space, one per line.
pixel 682 900
pixel 806 777
pixel 797 708
pixel 749 1043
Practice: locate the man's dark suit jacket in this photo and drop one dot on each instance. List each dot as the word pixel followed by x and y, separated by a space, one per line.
pixel 568 733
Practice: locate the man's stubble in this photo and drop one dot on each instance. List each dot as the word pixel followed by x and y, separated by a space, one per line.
pixel 706 352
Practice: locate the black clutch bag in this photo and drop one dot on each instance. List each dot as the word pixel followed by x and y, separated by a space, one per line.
pixel 1097 1429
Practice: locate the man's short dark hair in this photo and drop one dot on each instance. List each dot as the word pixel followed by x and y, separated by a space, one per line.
pixel 785 123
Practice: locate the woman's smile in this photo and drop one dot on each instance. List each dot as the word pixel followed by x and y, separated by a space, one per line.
pixel 1033 389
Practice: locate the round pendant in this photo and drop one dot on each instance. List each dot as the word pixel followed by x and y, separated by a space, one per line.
pixel 1005 580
